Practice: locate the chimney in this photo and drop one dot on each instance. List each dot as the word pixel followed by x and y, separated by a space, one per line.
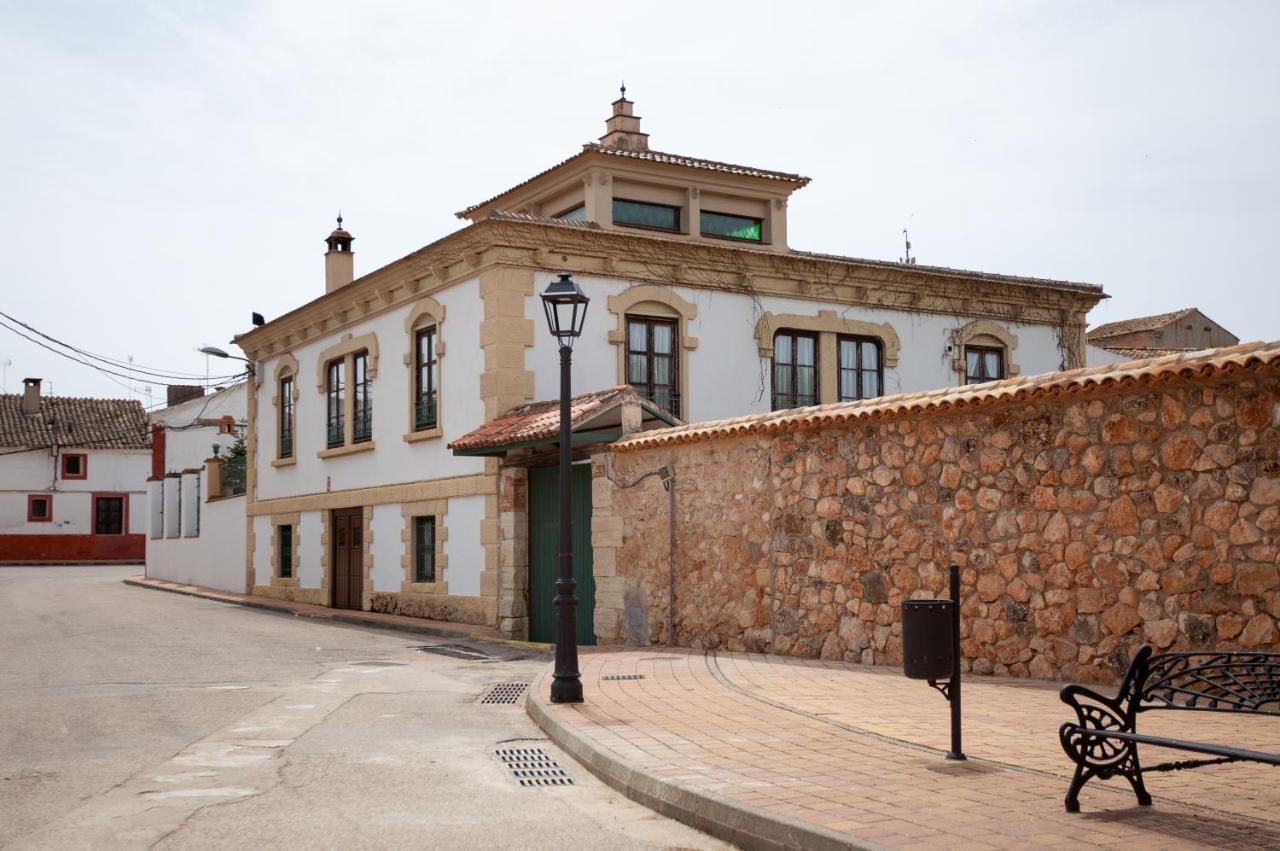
pixel 623 127
pixel 176 394
pixel 339 266
pixel 31 396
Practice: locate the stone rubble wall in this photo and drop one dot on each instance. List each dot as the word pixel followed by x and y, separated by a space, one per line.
pixel 1084 525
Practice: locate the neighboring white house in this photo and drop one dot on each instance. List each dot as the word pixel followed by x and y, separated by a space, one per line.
pixel 72 472
pixel 377 479
pixel 196 504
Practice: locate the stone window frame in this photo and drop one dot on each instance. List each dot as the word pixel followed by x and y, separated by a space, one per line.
pixel 293 520
pixel 286 368
pixel 345 350
pixel 983 332
pixel 651 301
pixel 829 326
pixel 438 509
pixel 425 313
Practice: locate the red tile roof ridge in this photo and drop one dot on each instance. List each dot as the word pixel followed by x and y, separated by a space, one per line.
pixel 538 420
pixel 1137 323
pixel 1204 362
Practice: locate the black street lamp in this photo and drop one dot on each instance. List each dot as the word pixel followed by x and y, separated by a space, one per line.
pixel 566 307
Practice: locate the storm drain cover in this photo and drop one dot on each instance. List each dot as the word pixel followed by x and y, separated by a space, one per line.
pixel 380 664
pixel 505 693
pixel 624 677
pixel 533 767
pixel 453 651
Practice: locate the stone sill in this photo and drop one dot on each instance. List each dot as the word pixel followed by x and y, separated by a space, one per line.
pixel 439 588
pixel 284 581
pixel 425 434
pixel 349 449
pixel 223 496
pixel 285 462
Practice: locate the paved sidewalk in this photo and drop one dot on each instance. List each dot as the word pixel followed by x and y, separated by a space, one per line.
pixel 776 752
pixel 439 629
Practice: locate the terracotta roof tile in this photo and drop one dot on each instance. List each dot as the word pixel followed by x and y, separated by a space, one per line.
pixel 1204 363
pixel 649 156
pixel 83 423
pixel 510 216
pixel 541 420
pixel 1136 354
pixel 1138 323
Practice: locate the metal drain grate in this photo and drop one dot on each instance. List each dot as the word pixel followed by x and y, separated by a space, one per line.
pixel 380 664
pixel 624 677
pixel 454 651
pixel 505 693
pixel 533 767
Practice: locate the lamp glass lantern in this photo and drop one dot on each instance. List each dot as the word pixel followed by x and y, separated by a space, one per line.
pixel 566 306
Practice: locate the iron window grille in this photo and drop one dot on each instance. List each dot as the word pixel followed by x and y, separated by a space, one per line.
pixel 425 411
pixel 286 417
pixel 336 396
pixel 795 369
pixel 285 551
pixel 983 363
pixel 362 415
pixel 861 368
pixel 641 214
pixel 39 508
pixel 728 226
pixel 653 362
pixel 108 515
pixel 424 549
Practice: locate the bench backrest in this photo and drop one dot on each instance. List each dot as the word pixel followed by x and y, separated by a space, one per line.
pixel 1233 681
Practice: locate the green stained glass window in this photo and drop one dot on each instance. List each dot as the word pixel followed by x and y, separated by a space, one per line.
pixel 640 214
pixel 732 227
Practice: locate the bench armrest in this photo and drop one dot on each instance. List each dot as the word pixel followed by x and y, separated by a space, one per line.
pixel 1094 711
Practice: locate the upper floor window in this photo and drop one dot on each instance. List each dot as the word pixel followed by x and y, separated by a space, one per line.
pixel 727 226
pixel 861 375
pixel 362 413
pixel 75 465
pixel 642 214
pixel 286 417
pixel 573 214
pixel 653 360
pixel 983 363
pixel 426 412
pixel 795 369
pixel 336 395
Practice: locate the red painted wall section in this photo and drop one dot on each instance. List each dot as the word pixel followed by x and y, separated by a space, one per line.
pixel 60 548
pixel 157 450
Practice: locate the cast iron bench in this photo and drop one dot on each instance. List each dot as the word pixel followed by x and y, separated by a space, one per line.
pixel 1103 742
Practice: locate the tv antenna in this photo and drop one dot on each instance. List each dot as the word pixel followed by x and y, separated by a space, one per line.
pixel 907 260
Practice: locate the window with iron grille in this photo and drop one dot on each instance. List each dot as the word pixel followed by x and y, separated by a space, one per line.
pixel 861 373
pixel 424 549
pixel 108 515
pixel 286 417
pixel 653 360
pixel 795 369
pixel 284 552
pixel 426 414
pixel 336 395
pixel 362 427
pixel 983 363
pixel 39 508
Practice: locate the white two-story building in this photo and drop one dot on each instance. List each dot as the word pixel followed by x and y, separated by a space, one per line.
pixel 382 473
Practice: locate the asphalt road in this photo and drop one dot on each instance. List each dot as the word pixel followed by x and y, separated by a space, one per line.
pixel 132 718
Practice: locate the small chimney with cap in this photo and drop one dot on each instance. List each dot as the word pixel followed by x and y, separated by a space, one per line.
pixel 339 266
pixel 623 127
pixel 31 396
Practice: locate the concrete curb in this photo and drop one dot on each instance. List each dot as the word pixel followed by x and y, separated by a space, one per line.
pixel 332 615
pixel 731 821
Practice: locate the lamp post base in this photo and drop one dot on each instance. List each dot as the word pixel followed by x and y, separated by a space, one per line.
pixel 569 690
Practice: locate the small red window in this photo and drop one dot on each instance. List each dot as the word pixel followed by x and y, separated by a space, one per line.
pixel 75 465
pixel 39 508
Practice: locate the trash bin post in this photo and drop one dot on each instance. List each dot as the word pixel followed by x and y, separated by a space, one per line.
pixel 931 650
pixel 953 692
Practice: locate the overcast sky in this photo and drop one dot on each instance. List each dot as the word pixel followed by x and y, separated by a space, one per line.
pixel 170 167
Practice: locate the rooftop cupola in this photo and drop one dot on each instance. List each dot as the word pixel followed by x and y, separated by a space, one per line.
pixel 339 265
pixel 623 127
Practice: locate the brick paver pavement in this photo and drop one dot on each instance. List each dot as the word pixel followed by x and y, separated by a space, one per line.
pixel 859 750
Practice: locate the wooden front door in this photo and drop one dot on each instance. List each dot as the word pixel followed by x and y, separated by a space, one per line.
pixel 347 551
pixel 544 552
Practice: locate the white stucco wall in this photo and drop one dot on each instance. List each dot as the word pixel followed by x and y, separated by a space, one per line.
pixel 262 551
pixel 387 547
pixel 113 471
pixel 310 544
pixel 727 377
pixel 214 558
pixel 393 460
pixel 462 547
pixel 1097 356
pixel 186 445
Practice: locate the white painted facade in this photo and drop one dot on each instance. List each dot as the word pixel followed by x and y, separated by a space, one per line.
pixel 214 558
pixel 37 471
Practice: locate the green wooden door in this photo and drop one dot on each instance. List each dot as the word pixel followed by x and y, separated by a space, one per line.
pixel 544 552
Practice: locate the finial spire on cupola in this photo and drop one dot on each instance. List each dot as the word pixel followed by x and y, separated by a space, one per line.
pixel 339 266
pixel 622 130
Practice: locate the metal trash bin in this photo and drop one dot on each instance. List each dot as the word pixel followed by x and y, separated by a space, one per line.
pixel 928 651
